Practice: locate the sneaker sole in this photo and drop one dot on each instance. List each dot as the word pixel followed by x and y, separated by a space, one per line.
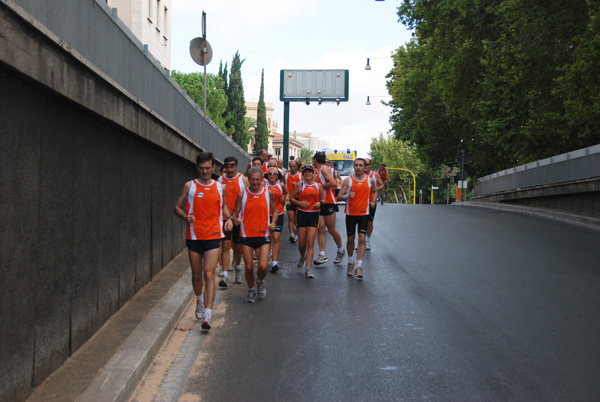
pixel 223 284
pixel 206 325
pixel 319 262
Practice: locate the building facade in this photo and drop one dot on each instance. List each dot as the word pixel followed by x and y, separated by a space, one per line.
pixel 150 22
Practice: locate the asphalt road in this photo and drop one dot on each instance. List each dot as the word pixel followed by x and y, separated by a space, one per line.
pixel 457 304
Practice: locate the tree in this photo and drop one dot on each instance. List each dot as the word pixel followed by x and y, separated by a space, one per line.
pixel 250 129
pixel 397 154
pixel 306 155
pixel 506 82
pixel 236 104
pixel 216 103
pixel 261 139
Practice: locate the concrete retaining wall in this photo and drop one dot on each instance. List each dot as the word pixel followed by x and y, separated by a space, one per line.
pixel 89 176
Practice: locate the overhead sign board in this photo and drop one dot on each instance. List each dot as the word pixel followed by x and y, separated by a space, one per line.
pixel 314 85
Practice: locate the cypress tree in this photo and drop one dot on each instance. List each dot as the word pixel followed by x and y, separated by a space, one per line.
pixel 236 103
pixel 261 139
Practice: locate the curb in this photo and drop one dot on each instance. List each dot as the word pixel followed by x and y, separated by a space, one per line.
pixel 120 376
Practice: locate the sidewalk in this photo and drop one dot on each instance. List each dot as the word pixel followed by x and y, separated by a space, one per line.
pixel 588 221
pixel 109 365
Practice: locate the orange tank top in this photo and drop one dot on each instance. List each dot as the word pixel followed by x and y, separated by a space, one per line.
pixel 290 180
pixel 359 205
pixel 233 187
pixel 329 192
pixel 205 202
pixel 256 214
pixel 278 195
pixel 310 193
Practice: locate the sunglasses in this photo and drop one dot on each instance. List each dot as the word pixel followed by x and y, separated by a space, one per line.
pixel 272 173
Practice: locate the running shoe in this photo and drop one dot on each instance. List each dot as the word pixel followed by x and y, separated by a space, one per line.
pixel 274 268
pixel 321 259
pixel 358 273
pixel 206 324
pixel 292 238
pixel 224 282
pixel 308 273
pixel 262 292
pixel 251 298
pixel 239 275
pixel 199 310
pixel 300 264
pixel 339 257
pixel 368 244
pixel 221 272
pixel 350 270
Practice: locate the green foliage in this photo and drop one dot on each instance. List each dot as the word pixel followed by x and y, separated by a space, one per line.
pixel 508 82
pixel 250 129
pixel 398 154
pixel 261 139
pixel 237 105
pixel 216 103
pixel 306 155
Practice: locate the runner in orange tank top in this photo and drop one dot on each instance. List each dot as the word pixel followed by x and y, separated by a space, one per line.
pixel 292 177
pixel 201 205
pixel 357 190
pixel 380 185
pixel 234 184
pixel 259 213
pixel 328 210
pixel 279 194
pixel 308 196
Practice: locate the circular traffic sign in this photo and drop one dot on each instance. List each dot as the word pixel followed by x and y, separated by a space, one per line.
pixel 201 51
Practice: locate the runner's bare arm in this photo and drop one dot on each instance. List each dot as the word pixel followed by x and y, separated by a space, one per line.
pixel 180 205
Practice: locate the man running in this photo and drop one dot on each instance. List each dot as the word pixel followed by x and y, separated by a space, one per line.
pixel 201 204
pixel 291 178
pixel 234 183
pixel 325 177
pixel 259 214
pixel 308 196
pixel 280 195
pixel 385 178
pixel 357 190
pixel 375 176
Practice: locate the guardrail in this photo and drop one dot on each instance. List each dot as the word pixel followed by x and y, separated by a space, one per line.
pixel 571 166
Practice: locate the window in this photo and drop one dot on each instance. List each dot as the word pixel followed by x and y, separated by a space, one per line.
pixel 150 10
pixel 158 16
pixel 277 151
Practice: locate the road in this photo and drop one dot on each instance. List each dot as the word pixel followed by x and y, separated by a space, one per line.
pixel 457 304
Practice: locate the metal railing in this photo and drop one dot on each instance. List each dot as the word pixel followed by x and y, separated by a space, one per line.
pixel 576 165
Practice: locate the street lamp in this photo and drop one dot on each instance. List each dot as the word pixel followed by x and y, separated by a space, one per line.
pixel 368 66
pixel 368 102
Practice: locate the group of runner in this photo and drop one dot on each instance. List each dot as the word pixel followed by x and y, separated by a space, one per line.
pixel 245 213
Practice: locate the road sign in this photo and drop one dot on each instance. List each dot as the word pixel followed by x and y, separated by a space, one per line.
pixel 201 51
pixel 462 184
pixel 314 86
pixel 435 188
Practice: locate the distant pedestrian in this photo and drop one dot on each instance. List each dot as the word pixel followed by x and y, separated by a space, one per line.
pixel 202 206
pixel 280 195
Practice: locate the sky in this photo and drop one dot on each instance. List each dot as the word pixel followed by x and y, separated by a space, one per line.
pixel 276 35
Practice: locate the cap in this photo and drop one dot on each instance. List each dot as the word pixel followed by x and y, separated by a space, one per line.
pixel 308 167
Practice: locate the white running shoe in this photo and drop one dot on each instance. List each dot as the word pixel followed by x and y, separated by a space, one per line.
pixel 300 264
pixel 308 273
pixel 368 244
pixel 207 323
pixel 251 298
pixel 261 292
pixel 339 257
pixel 358 273
pixel 239 275
pixel 321 259
pixel 221 272
pixel 224 282
pixel 350 269
pixel 199 310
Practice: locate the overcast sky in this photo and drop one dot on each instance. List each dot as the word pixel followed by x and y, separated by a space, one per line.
pixel 301 34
